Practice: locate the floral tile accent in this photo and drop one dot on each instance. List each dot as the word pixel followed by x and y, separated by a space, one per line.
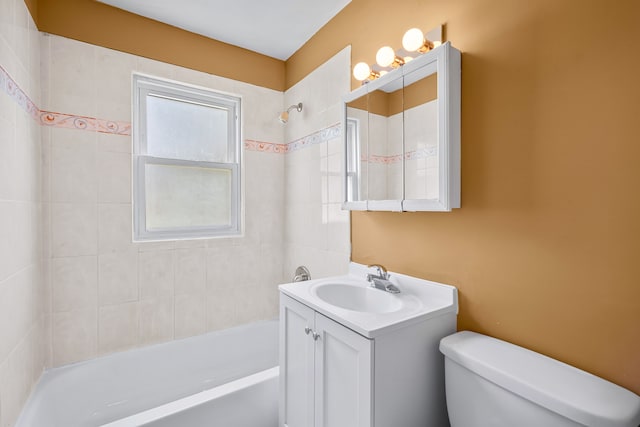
pixel 422 153
pixel 267 147
pixel 68 121
pixel 11 88
pixel 318 137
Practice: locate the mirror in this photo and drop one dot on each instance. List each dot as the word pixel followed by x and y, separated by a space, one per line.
pixel 356 131
pixel 409 145
pixel 421 136
pixel 386 142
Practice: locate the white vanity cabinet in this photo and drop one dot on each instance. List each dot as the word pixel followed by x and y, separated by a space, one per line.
pixel 373 364
pixel 326 370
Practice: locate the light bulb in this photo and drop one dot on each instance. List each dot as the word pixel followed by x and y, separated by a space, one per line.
pixel 385 56
pixel 361 71
pixel 413 39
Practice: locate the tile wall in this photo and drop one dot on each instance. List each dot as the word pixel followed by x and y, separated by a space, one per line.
pixel 109 294
pixel 73 285
pixel 23 337
pixel 317 232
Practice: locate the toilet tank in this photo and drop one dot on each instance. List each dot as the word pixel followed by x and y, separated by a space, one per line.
pixel 490 382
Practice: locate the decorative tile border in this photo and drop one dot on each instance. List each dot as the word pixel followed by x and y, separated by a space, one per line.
pixel 266 147
pixel 423 153
pixel 92 124
pixel 11 88
pixel 323 135
pixel 68 121
pixel 59 120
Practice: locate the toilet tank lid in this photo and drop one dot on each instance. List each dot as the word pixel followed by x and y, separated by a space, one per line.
pixel 561 388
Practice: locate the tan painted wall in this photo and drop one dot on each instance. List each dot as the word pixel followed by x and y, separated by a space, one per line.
pixel 96 23
pixel 545 250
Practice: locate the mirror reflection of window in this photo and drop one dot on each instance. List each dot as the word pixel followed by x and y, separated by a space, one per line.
pixel 353 158
pixel 357 150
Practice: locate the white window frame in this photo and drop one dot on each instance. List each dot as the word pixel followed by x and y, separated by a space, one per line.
pixel 143 86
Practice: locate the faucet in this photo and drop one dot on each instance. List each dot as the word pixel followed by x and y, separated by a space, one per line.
pixel 301 274
pixel 381 280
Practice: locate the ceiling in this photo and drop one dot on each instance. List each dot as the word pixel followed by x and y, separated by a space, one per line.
pixel 276 28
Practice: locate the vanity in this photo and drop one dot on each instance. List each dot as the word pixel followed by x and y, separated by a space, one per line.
pixel 359 356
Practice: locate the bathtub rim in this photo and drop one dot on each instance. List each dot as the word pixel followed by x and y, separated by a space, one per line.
pixel 177 406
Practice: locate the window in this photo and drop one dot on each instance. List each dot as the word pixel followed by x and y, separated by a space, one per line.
pixel 186 161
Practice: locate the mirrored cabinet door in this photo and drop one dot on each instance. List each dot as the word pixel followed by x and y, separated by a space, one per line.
pixel 356 132
pixel 421 136
pixel 386 145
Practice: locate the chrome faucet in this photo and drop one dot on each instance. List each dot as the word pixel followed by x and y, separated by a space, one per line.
pixel 381 280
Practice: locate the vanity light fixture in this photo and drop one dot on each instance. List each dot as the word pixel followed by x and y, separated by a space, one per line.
pixel 362 72
pixel 386 57
pixel 414 43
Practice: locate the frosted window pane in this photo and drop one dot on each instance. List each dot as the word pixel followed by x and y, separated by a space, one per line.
pixel 183 196
pixel 183 130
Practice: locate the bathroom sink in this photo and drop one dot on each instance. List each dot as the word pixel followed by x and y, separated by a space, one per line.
pixel 357 298
pixel 351 301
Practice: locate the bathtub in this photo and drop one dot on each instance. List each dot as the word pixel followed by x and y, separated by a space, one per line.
pixel 225 378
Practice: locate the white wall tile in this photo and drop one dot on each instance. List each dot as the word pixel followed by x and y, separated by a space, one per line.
pixel 73 171
pixel 27 152
pixel 7 155
pixel 74 282
pixel 114 143
pixel 118 327
pixel 156 274
pixel 114 182
pixel 117 278
pixel 190 315
pixel 190 271
pixel 7 21
pixel 74 229
pixel 74 336
pixel 113 84
pixel 220 310
pixel 73 87
pixel 156 320
pixel 8 235
pixel 114 228
pixel 15 382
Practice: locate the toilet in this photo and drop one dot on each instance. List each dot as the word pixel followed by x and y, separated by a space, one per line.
pixel 492 383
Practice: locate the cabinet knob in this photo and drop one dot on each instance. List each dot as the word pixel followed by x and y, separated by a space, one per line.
pixel 307 330
pixel 315 336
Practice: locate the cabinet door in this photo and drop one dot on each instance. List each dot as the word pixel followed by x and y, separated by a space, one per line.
pixel 343 372
pixel 296 363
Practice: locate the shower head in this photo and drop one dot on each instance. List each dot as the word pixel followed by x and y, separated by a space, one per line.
pixel 284 116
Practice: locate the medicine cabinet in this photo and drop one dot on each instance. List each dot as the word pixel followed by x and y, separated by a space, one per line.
pixel 402 137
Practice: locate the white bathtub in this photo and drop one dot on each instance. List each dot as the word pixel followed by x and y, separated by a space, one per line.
pixel 225 378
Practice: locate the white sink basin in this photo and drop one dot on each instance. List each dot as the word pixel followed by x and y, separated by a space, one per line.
pixel 357 298
pixel 351 301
